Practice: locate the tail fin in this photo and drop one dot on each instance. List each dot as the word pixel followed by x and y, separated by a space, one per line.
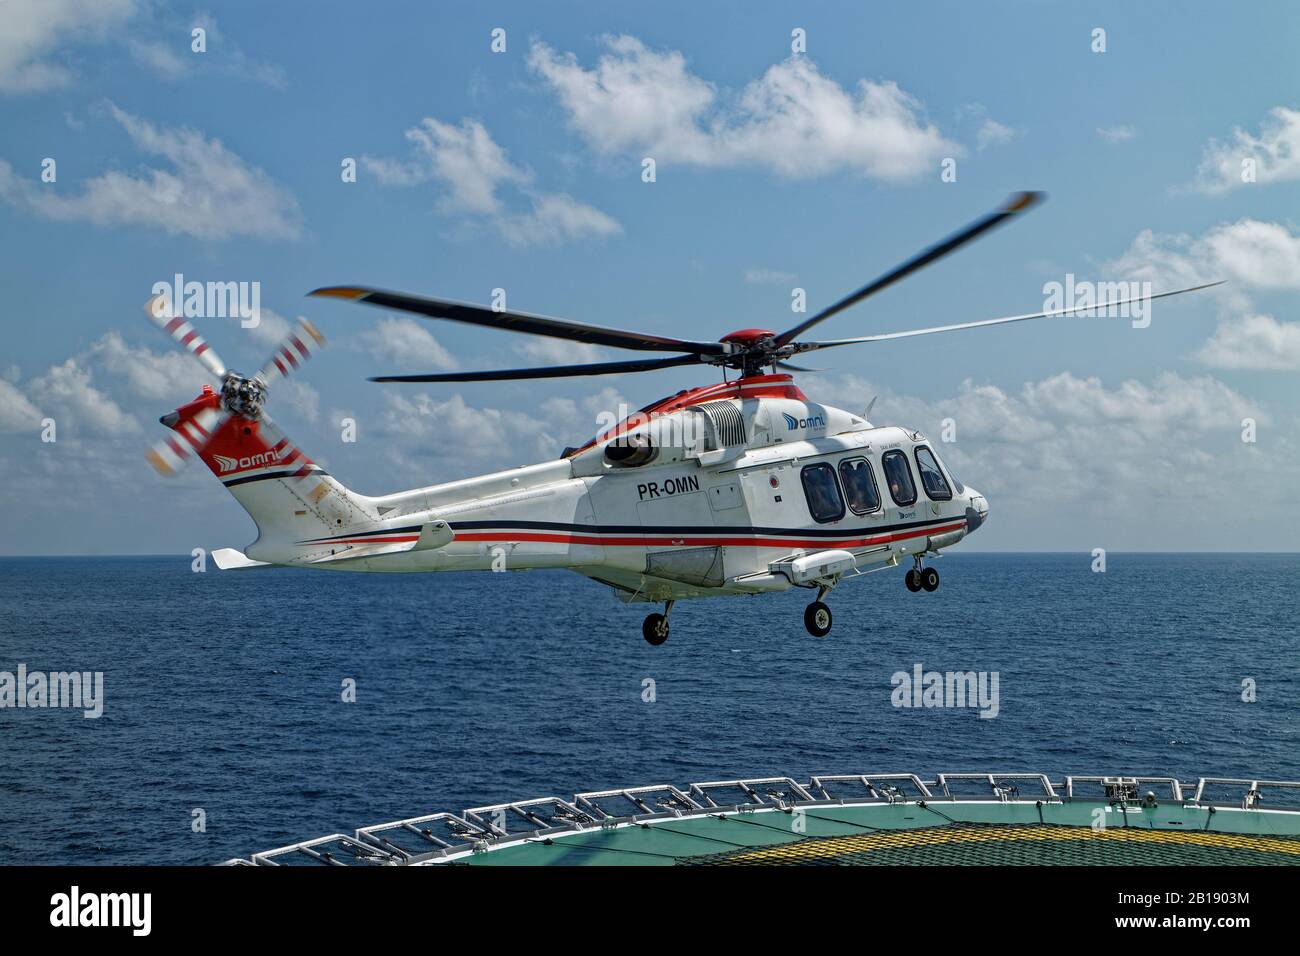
pixel 288 496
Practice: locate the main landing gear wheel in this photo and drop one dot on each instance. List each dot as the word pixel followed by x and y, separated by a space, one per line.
pixel 914 580
pixel 930 579
pixel 655 629
pixel 817 618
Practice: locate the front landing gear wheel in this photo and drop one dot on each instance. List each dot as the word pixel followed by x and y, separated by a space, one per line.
pixel 817 618
pixel 930 579
pixel 655 629
pixel 913 580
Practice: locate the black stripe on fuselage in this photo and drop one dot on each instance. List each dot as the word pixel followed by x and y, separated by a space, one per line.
pixel 649 529
pixel 272 474
pixel 702 529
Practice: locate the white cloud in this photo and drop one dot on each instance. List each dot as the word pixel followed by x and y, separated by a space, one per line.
pixel 67 390
pixel 1114 451
pixel 39 36
pixel 161 58
pixel 1116 134
pixel 224 55
pixel 1264 255
pixel 792 120
pixel 169 54
pixel 464 158
pixel 548 351
pixel 407 344
pixel 555 218
pixel 460 437
pixel 209 193
pixel 171 375
pixel 992 133
pixel 17 413
pixel 1276 152
pixel 472 168
pixel 1253 342
pixel 445 438
pixel 1250 254
pixel 271 328
pixel 34 31
pixel 989 132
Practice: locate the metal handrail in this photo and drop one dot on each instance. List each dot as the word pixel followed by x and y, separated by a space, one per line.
pixel 370 844
pixel 994 782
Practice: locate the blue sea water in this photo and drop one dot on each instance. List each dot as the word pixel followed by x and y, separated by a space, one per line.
pixel 223 690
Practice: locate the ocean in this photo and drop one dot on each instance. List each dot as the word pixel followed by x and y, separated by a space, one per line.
pixel 223 693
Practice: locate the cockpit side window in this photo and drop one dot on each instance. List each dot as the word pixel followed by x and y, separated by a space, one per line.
pixel 936 486
pixel 823 492
pixel 898 475
pixel 859 485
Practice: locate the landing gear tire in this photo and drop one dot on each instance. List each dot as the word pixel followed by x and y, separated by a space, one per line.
pixel 655 629
pixel 914 580
pixel 817 618
pixel 930 579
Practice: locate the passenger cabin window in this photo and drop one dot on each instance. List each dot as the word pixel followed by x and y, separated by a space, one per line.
pixel 936 486
pixel 859 485
pixel 823 492
pixel 898 475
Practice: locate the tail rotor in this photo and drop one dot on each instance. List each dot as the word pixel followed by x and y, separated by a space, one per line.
pixel 244 397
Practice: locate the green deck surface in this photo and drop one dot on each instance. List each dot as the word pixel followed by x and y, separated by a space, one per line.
pixel 940 833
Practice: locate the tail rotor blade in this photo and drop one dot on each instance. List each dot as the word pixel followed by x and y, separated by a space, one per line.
pixel 169 455
pixel 179 329
pixel 297 347
pixel 288 455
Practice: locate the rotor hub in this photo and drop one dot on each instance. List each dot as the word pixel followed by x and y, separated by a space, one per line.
pixel 243 396
pixel 751 350
pixel 747 338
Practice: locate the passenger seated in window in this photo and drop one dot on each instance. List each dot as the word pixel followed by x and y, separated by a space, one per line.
pixel 823 503
pixel 857 497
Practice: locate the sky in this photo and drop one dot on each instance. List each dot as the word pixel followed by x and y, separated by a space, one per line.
pixel 795 146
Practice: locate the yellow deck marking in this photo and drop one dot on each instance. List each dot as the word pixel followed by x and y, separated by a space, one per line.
pixel 826 847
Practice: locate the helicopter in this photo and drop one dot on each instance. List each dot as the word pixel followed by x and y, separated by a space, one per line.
pixel 742 487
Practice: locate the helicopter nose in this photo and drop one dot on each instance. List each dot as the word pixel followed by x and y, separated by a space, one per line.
pixel 977 511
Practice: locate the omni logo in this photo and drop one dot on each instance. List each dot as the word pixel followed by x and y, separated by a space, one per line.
pixel 792 423
pixel 248 461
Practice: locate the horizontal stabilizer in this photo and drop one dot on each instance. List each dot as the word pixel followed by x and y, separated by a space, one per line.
pixel 228 559
pixel 435 534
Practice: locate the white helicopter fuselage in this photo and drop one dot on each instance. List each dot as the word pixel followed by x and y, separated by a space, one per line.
pixel 742 488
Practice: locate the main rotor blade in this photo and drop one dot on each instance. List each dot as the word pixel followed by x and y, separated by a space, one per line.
pixel 549 371
pixel 809 346
pixel 520 321
pixel 1016 204
pixel 184 333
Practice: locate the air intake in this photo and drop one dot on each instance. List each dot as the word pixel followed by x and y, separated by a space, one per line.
pixel 728 424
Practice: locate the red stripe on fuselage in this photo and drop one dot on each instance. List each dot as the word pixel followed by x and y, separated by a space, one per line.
pixel 633 541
